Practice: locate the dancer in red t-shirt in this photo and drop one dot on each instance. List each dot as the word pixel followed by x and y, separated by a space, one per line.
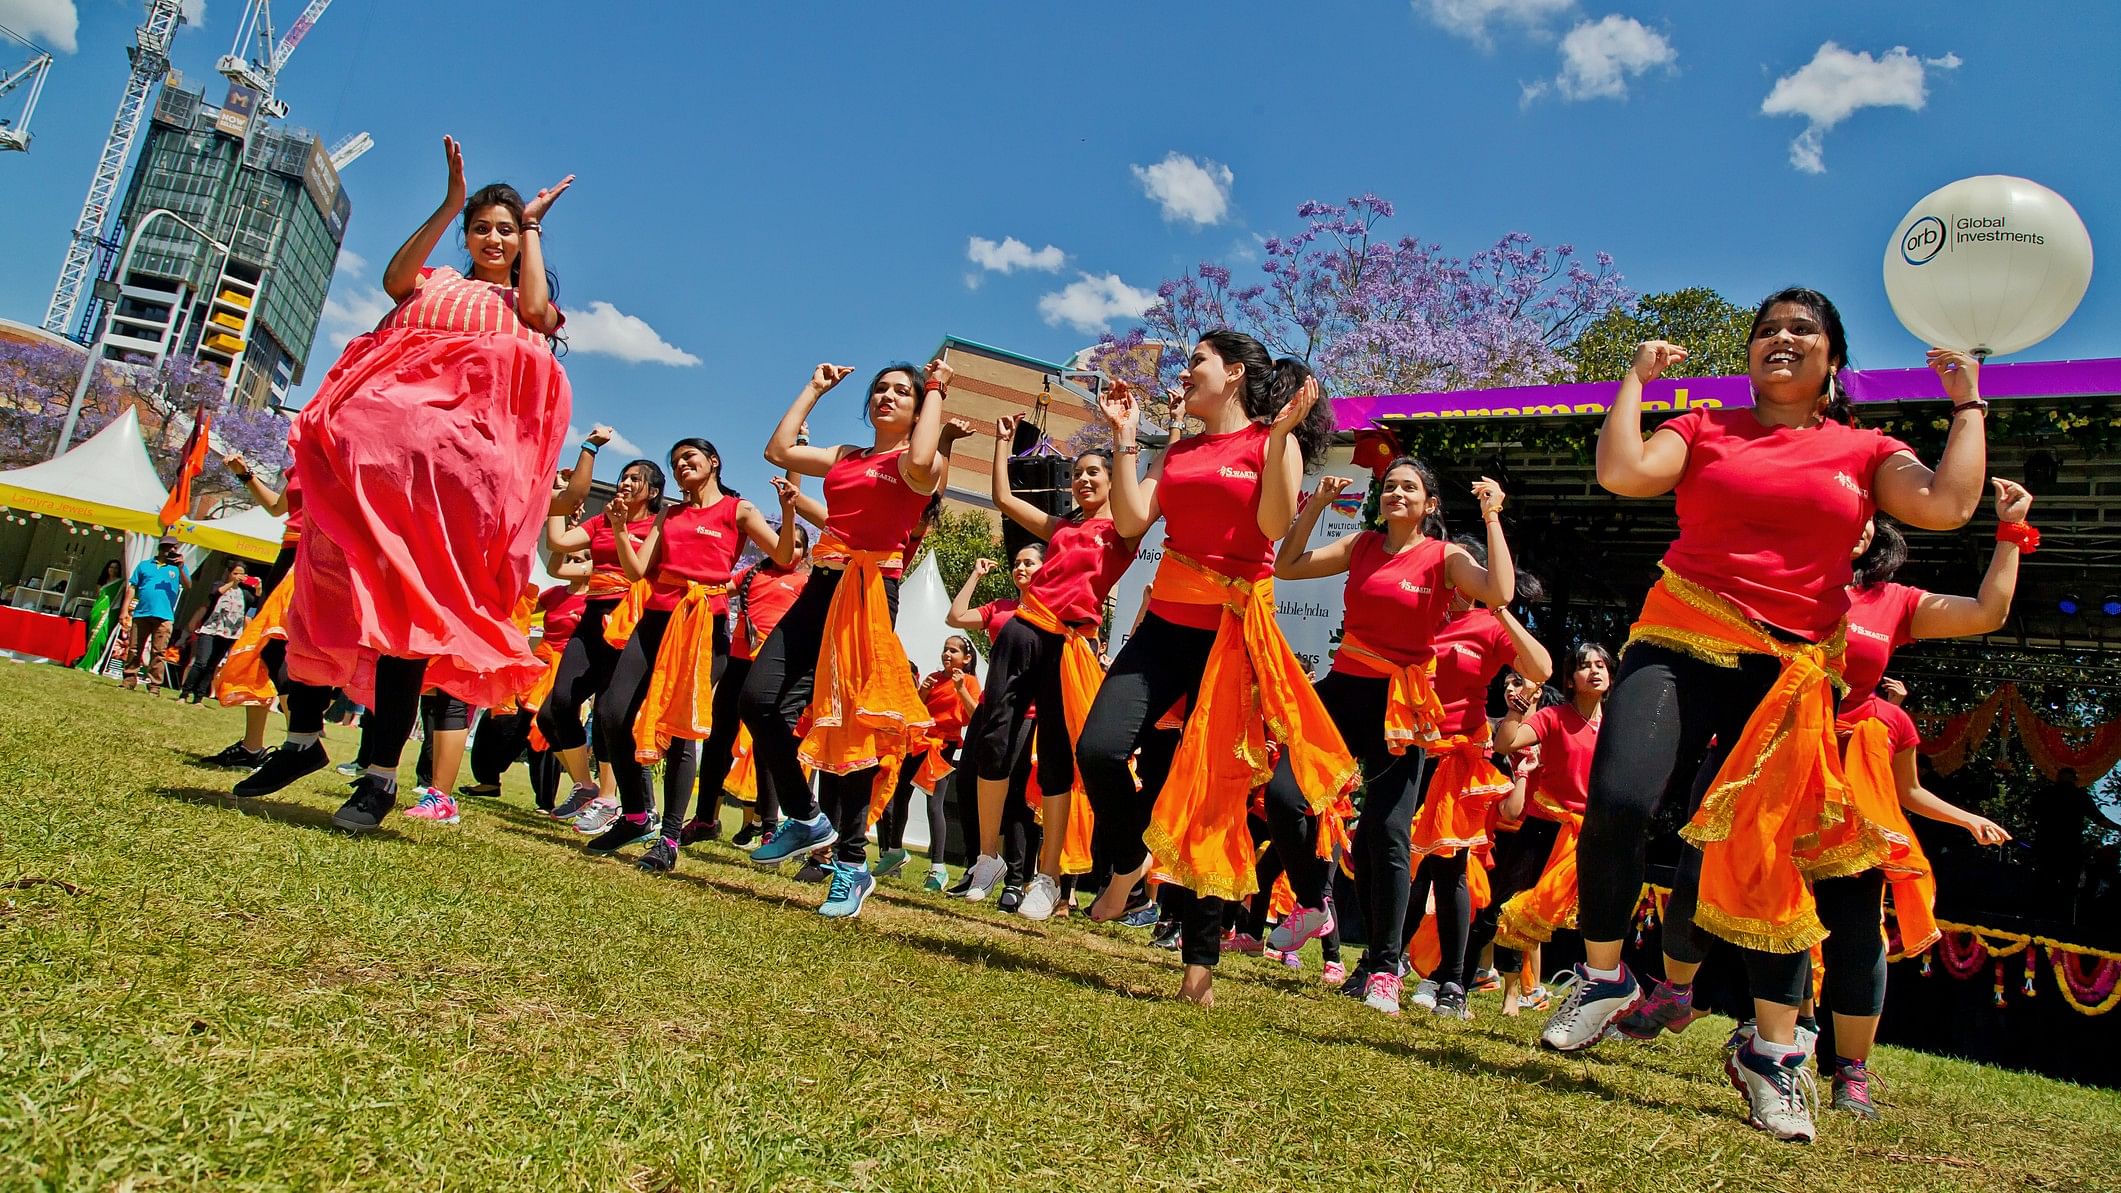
pixel 1209 640
pixel 1739 636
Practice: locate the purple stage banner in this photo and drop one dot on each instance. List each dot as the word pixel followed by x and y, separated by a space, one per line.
pixel 2029 379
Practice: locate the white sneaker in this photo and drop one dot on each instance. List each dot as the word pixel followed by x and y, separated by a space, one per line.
pixel 1779 1094
pixel 1588 1009
pixel 987 870
pixel 1040 898
pixel 1425 994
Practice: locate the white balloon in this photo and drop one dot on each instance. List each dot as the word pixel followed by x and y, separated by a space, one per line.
pixel 1990 265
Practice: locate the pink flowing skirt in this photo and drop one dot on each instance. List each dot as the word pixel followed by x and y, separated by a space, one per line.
pixel 426 461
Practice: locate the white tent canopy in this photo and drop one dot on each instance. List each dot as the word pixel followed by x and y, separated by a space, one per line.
pixel 923 603
pixel 105 481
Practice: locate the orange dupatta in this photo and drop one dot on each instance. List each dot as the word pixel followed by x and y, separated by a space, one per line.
pixel 619 623
pixel 1080 676
pixel 1252 688
pixel 864 708
pixel 1413 710
pixel 1759 826
pixel 1454 815
pixel 243 678
pixel 679 702
pixel 1868 762
pixel 1534 915
pixel 934 767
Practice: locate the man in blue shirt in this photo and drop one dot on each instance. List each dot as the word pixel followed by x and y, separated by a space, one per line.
pixel 151 596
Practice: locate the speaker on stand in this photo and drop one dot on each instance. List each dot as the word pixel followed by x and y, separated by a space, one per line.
pixel 1040 480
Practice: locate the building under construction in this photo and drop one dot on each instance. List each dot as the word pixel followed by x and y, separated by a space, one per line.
pixel 272 197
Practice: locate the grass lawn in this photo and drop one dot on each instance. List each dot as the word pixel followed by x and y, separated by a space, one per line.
pixel 203 993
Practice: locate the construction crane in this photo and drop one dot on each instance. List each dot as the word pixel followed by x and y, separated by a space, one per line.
pixel 347 151
pixel 14 134
pixel 150 57
pixel 261 72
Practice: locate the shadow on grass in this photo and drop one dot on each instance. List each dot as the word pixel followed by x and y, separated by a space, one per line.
pixel 1569 1072
pixel 298 815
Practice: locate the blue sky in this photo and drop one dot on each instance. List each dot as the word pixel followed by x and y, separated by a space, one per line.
pixel 765 186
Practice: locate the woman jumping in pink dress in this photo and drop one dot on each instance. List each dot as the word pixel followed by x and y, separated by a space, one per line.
pixel 426 460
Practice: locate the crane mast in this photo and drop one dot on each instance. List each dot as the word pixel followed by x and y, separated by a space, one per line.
pixel 15 134
pixel 150 58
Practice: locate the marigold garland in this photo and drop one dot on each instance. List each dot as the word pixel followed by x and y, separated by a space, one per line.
pixel 1951 740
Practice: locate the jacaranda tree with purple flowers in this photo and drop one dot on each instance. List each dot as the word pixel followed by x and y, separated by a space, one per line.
pixel 1373 315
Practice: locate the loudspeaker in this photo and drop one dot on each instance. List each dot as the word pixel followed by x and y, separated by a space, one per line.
pixel 1042 481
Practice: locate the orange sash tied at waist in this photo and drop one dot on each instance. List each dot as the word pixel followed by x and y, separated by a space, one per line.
pixel 1454 815
pixel 679 702
pixel 1868 762
pixel 243 678
pixel 1413 710
pixel 1252 689
pixel 1549 905
pixel 935 766
pixel 1081 676
pixel 1760 825
pixel 619 623
pixel 864 708
pixel 541 691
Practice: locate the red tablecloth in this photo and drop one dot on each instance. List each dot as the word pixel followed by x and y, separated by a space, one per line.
pixel 60 639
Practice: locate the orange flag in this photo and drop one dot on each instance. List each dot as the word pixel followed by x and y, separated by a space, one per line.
pixel 194 461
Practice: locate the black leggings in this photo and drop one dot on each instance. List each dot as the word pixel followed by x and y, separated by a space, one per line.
pixel 584 673
pixel 501 739
pixel 1854 952
pixel 718 749
pixel 620 702
pixel 1392 788
pixel 986 731
pixel 774 697
pixel 1663 711
pixel 1520 858
pixel 1445 877
pixel 1023 673
pixel 207 651
pixel 440 712
pixel 387 725
pixel 891 826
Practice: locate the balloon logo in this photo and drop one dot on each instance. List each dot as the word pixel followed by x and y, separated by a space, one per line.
pixel 1988 265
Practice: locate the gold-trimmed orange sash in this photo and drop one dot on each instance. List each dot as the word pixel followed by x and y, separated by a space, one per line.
pixel 1454 813
pixel 1868 762
pixel 619 623
pixel 1413 710
pixel 864 707
pixel 243 678
pixel 1760 826
pixel 1535 914
pixel 1081 676
pixel 1252 690
pixel 679 702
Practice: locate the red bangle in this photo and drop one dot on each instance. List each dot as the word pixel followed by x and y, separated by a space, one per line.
pixel 2024 534
pixel 933 386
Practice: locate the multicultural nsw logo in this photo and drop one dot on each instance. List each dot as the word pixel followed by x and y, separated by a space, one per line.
pixel 1924 239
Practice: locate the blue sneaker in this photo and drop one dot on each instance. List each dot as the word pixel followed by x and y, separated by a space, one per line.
pixel 796 837
pixel 851 884
pixel 1144 916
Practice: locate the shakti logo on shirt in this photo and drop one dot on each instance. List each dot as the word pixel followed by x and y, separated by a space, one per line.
pixel 1848 482
pixel 709 531
pixel 1416 589
pixel 1236 474
pixel 878 474
pixel 1871 634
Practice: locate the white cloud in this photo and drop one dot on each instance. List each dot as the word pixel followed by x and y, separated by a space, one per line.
pixel 1950 61
pixel 619 444
pixel 194 12
pixel 1599 57
pixel 604 330
pixel 1090 303
pixel 1472 19
pixel 351 264
pixel 1838 83
pixel 52 23
pixel 356 313
pixel 1013 254
pixel 1195 191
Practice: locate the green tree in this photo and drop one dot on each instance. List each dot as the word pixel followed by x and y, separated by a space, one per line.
pixel 1709 326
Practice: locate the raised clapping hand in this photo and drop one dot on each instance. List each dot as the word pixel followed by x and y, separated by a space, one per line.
pixel 1653 357
pixel 1329 487
pixel 786 492
pixel 599 435
pixel 1121 412
pixel 981 568
pixel 1489 495
pixel 1005 427
pixel 940 372
pixel 1893 690
pixel 453 158
pixel 2013 502
pixel 535 209
pixel 824 377
pixel 1291 415
pixel 1960 372
pixel 956 429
